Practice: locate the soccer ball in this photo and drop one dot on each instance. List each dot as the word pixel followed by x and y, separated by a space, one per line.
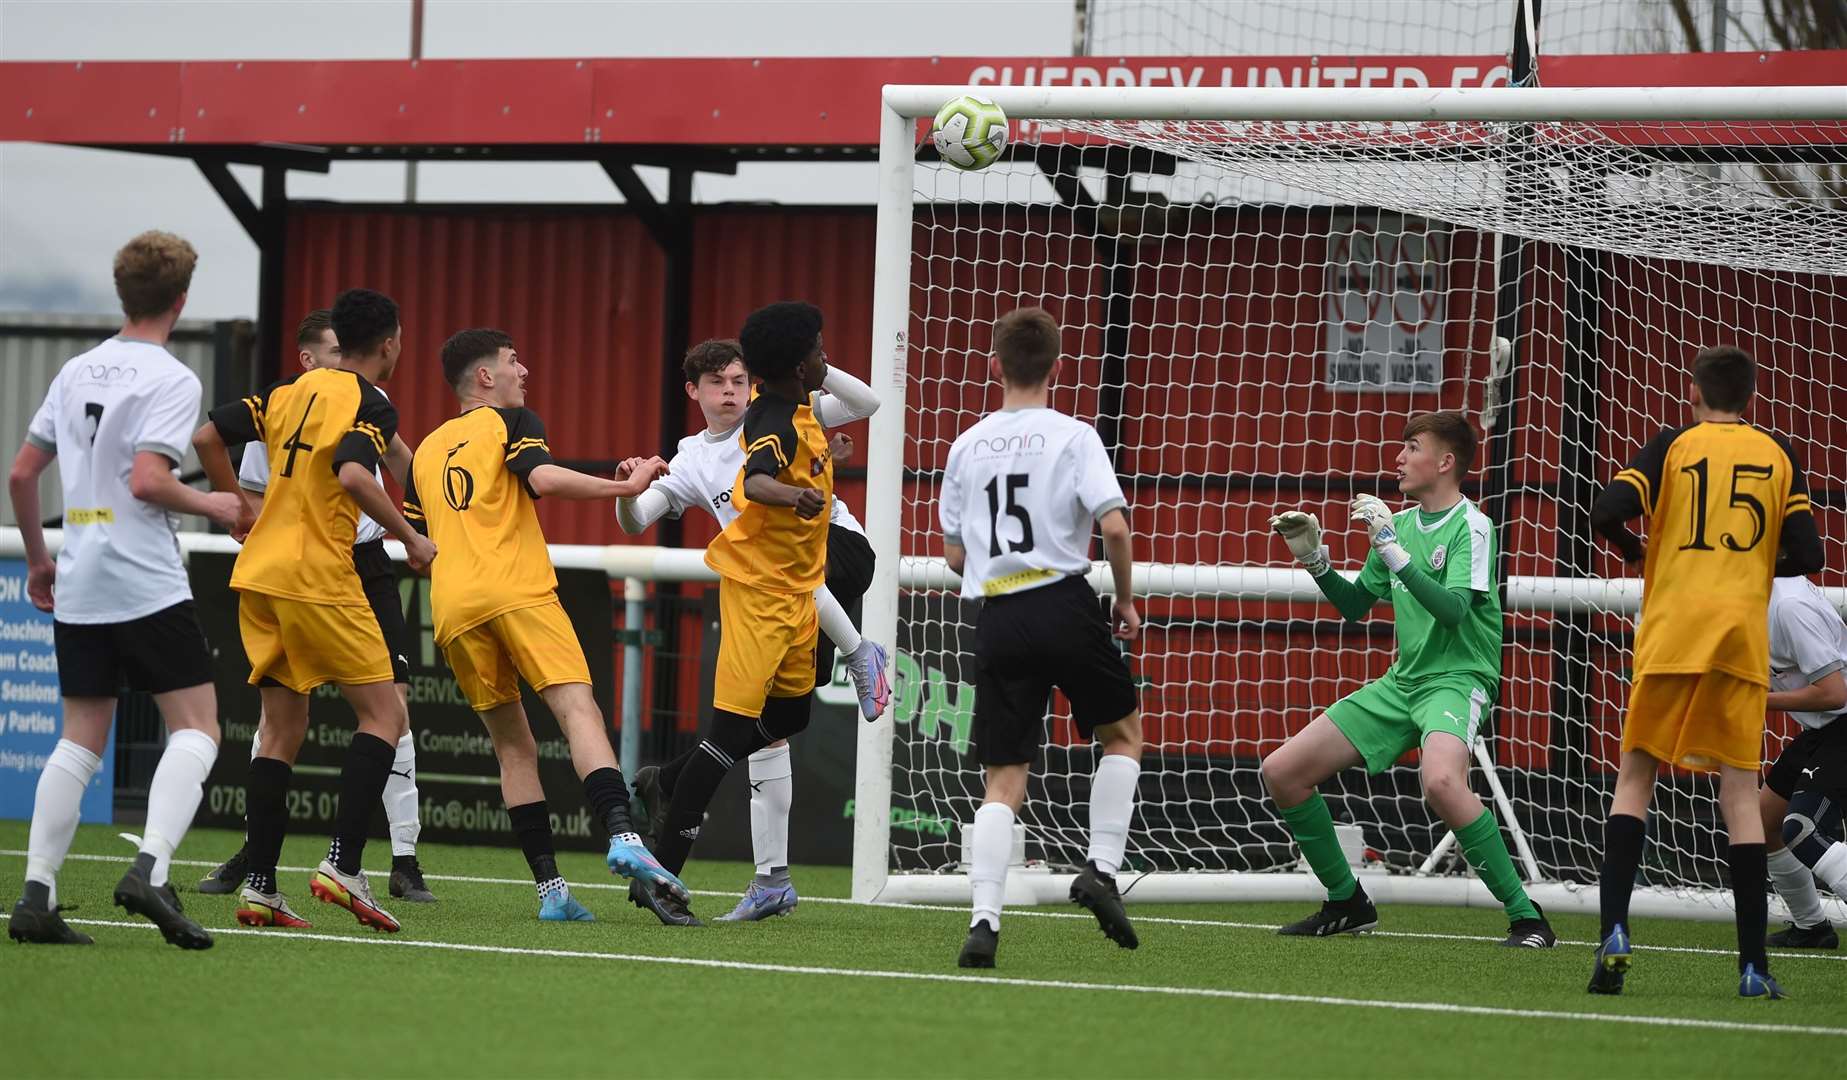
pixel 970 132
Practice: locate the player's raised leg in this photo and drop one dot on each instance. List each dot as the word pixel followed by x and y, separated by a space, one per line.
pixel 1293 773
pixel 1444 767
pixel 56 810
pixel 575 708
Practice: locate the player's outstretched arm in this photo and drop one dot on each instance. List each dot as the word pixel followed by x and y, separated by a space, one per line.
pixel 844 399
pixel 1302 532
pixel 553 481
pixel 151 480
pixel 1119 548
pixel 636 512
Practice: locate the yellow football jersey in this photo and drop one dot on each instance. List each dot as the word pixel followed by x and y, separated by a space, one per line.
pixel 770 547
pixel 1716 496
pixel 302 544
pixel 468 493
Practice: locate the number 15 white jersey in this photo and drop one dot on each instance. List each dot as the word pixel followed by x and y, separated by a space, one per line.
pixel 1021 494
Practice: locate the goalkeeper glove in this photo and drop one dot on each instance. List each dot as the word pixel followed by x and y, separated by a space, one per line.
pixel 1302 532
pixel 1372 512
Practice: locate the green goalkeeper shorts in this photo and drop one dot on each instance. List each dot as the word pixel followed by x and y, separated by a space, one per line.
pixel 1383 719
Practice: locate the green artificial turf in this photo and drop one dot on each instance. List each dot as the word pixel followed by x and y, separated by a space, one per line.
pixel 838 989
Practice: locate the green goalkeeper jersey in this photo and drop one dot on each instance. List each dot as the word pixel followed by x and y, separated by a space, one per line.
pixel 1457 548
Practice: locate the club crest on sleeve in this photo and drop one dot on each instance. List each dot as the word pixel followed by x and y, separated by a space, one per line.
pixel 1438 556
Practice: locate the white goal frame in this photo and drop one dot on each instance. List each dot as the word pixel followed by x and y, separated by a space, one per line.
pixel 901 107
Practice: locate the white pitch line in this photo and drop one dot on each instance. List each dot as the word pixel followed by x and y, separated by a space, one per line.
pixel 1034 984
pixel 1028 913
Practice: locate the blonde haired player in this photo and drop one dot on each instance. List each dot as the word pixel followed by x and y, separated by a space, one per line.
pixel 1722 500
pixel 115 421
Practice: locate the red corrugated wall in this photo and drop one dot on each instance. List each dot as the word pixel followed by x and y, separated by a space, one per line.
pixel 1225 382
pixel 579 290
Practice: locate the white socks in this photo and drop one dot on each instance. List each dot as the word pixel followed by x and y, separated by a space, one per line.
pixel 1831 868
pixel 56 809
pixel 835 624
pixel 1112 803
pixel 1796 885
pixel 772 791
pixel 173 796
pixel 987 877
pixel 401 798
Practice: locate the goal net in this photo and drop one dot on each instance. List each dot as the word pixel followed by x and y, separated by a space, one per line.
pixel 1258 289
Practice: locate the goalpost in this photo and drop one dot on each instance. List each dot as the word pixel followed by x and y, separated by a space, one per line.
pixel 1258 287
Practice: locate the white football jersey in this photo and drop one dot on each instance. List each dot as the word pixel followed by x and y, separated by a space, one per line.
pixel 1022 493
pixel 253 475
pixel 121 556
pixel 1808 641
pixel 703 471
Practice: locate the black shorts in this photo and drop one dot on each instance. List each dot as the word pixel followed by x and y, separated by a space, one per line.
pixel 1815 760
pixel 1028 642
pixel 849 575
pixel 379 577
pixel 157 653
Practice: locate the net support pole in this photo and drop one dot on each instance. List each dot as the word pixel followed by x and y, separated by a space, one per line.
pixel 634 608
pixel 891 288
pixel 1509 817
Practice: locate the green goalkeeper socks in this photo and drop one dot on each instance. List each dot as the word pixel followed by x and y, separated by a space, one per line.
pixel 1313 829
pixel 1487 853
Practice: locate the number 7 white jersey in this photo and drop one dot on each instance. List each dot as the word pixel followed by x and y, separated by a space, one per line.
pixel 1022 493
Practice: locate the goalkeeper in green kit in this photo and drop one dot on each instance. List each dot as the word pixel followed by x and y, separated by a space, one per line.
pixel 1437 562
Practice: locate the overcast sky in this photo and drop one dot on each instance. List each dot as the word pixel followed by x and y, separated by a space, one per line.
pixel 64 211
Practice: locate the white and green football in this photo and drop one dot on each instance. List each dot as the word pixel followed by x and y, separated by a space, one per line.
pixel 970 132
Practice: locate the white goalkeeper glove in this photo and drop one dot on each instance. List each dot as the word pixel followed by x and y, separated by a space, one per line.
pixel 1372 512
pixel 1302 532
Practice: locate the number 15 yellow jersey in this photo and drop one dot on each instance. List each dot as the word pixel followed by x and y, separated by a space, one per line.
pixel 1716 496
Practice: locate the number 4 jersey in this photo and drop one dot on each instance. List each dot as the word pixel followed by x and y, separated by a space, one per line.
pixel 302 545
pixel 1022 493
pixel 1715 496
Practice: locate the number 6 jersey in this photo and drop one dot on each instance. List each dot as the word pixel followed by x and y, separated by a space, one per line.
pixel 302 545
pixel 1022 493
pixel 1716 496
pixel 469 494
